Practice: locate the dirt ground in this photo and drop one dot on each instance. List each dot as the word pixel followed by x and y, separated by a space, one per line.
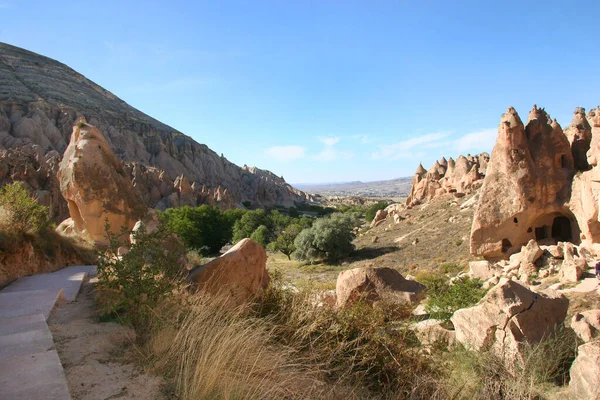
pixel 98 356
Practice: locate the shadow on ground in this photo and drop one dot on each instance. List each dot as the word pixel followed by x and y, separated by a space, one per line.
pixel 368 253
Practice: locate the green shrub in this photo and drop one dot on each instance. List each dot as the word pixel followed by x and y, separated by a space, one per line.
pixel 444 299
pixel 205 228
pixel 21 211
pixel 250 221
pixel 137 281
pixel 261 235
pixel 328 239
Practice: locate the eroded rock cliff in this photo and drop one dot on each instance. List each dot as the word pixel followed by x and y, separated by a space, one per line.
pixel 40 101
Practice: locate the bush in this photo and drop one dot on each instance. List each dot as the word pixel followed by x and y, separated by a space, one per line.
pixel 137 281
pixel 357 346
pixel 250 221
pixel 484 375
pixel 329 239
pixel 444 298
pixel 21 211
pixel 205 228
pixel 261 235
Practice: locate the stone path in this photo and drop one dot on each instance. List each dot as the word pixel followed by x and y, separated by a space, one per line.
pixel 29 365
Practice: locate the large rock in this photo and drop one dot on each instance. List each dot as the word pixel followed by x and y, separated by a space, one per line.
pixel 481 270
pixel 586 325
pixel 526 189
pixel 375 284
pixel 508 316
pixel 94 184
pixel 379 216
pixel 585 372
pixel 431 331
pixel 240 273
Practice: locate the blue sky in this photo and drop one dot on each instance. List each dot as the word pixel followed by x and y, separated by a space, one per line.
pixel 325 91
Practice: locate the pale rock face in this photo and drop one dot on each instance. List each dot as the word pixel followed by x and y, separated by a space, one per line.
pixel 447 176
pixel 94 184
pixel 585 372
pixel 40 101
pixel 586 325
pixel 379 216
pixel 431 331
pixel 240 273
pixel 508 316
pixel 375 284
pixel 579 134
pixel 526 189
pixel 481 270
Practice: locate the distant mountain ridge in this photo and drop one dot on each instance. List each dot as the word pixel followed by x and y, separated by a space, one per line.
pixel 399 187
pixel 41 98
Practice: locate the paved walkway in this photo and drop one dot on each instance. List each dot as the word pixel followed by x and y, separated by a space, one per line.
pixel 30 368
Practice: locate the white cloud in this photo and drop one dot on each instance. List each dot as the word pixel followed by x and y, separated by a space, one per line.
pixel 364 139
pixel 482 140
pixel 328 141
pixel 286 153
pixel 402 149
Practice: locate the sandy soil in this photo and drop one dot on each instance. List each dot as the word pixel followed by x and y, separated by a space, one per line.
pixel 96 356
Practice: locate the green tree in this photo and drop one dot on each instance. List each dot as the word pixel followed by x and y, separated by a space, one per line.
pixel 245 226
pixel 261 235
pixel 329 238
pixel 285 241
pixel 205 228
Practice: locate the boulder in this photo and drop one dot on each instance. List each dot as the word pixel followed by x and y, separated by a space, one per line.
pixel 585 372
pixel 375 284
pixel 508 316
pixel 239 273
pixel 586 324
pixel 93 182
pixel 530 252
pixel 572 270
pixel 481 269
pixel 379 216
pixel 431 331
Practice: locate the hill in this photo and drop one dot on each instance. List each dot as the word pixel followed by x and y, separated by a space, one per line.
pixel 41 99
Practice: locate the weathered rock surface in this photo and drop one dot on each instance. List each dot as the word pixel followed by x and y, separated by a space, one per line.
pixel 240 273
pixel 376 284
pixel 585 372
pixel 379 216
pixel 508 316
pixel 586 325
pixel 431 331
pixel 94 184
pixel 448 176
pixel 530 192
pixel 40 101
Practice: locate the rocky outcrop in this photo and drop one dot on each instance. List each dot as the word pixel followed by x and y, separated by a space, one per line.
pixel 240 273
pixel 40 101
pixel 586 325
pixel 376 284
pixel 531 191
pixel 448 176
pixel 585 372
pixel 508 316
pixel 380 216
pixel 95 186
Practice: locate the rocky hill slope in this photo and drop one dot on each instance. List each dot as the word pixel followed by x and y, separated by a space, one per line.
pixel 41 99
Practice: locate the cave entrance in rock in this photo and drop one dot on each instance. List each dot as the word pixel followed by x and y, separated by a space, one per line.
pixel 556 227
pixel 561 229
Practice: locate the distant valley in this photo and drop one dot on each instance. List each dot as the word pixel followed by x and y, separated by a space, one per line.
pixel 399 187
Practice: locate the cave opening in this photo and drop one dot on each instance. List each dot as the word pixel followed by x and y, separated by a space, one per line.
pixel 561 229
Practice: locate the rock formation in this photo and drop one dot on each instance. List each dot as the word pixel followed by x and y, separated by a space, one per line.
pixel 375 284
pixel 95 186
pixel 508 316
pixel 40 101
pixel 240 273
pixel 585 372
pixel 538 185
pixel 448 176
